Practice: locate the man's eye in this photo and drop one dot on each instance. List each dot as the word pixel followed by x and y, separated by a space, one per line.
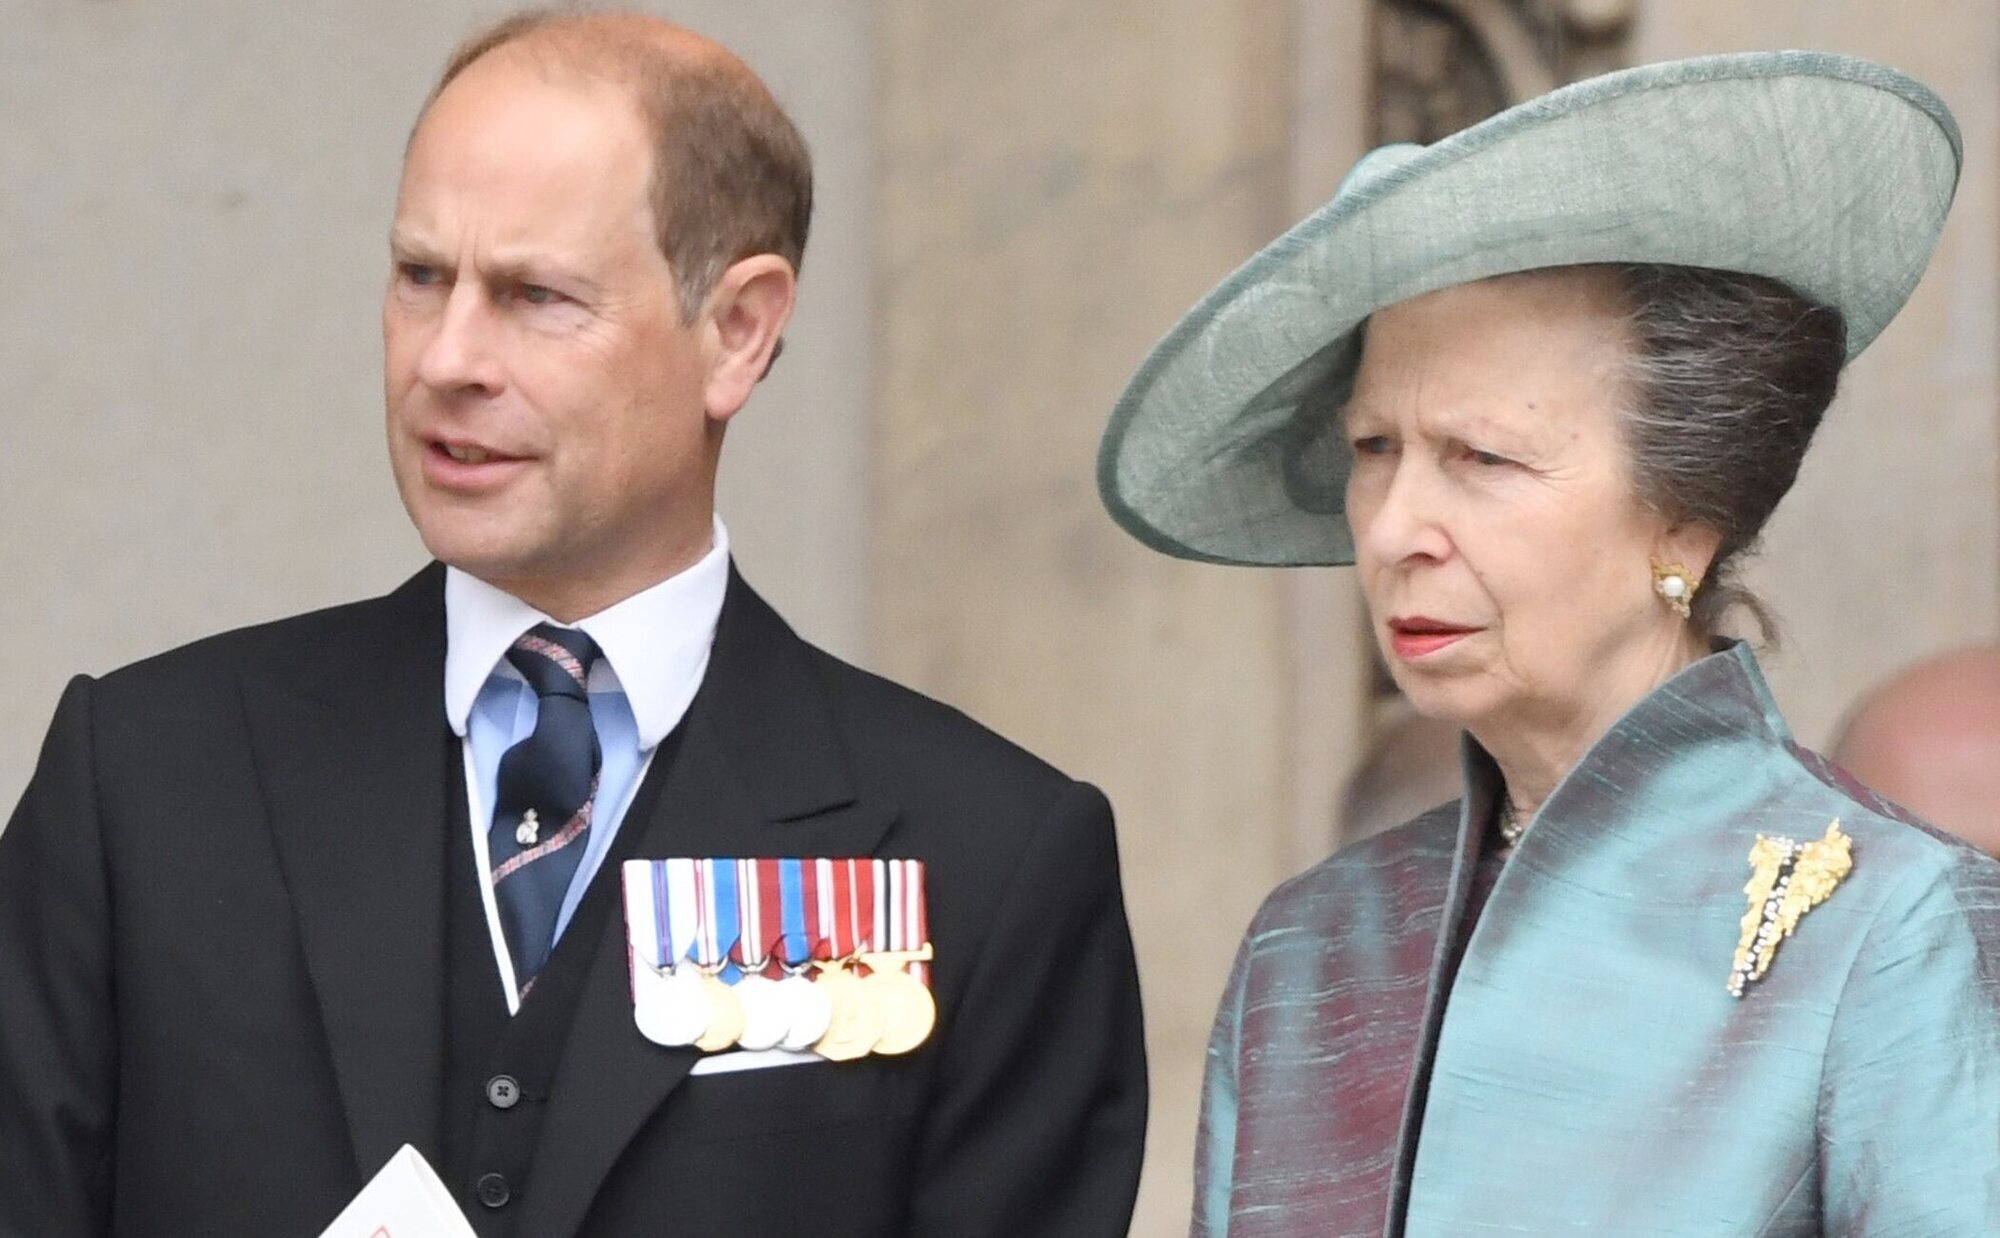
pixel 1486 458
pixel 419 274
pixel 1373 445
pixel 536 294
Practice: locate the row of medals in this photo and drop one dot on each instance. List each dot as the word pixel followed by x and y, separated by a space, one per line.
pixel 842 1013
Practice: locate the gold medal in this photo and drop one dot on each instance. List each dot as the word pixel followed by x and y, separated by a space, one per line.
pixel 908 1010
pixel 856 1023
pixel 725 1022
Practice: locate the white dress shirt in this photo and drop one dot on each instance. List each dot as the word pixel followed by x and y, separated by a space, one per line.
pixel 654 648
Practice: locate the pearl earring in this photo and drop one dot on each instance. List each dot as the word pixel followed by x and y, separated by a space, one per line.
pixel 1675 585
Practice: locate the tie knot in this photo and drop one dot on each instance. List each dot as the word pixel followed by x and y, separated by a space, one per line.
pixel 555 661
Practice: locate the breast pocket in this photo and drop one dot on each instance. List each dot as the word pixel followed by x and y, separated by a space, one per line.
pixel 821 1095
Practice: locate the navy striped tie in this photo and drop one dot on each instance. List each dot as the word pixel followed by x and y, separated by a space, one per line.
pixel 546 790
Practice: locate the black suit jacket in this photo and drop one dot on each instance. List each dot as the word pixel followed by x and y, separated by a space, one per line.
pixel 221 947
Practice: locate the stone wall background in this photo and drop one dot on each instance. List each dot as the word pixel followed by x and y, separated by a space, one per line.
pixel 1016 201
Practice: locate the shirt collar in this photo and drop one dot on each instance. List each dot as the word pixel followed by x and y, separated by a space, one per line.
pixel 655 643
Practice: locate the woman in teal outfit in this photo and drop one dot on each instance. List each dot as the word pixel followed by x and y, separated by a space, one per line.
pixel 1661 970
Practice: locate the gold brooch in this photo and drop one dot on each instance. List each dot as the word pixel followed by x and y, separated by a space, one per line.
pixel 1787 879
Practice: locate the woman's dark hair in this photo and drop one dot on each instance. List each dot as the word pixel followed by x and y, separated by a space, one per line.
pixel 1730 378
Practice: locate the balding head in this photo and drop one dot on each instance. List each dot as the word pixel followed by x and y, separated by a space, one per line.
pixel 731 177
pixel 1929 739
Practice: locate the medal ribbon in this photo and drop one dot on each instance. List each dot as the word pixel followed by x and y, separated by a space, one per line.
pixel 848 922
pixel 755 912
pixel 899 915
pixel 676 918
pixel 729 916
pixel 770 917
pixel 826 896
pixel 642 913
pixel 754 920
pixel 859 895
pixel 917 929
pixel 747 928
pixel 880 937
pixel 799 919
pixel 663 950
pixel 715 898
pixel 889 906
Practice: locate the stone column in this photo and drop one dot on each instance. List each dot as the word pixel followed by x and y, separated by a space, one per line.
pixel 1060 181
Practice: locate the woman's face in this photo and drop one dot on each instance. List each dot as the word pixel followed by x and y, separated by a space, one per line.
pixel 1502 550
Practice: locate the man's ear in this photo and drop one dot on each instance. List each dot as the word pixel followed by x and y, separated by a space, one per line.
pixel 743 323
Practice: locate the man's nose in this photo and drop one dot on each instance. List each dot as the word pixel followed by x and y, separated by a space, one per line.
pixel 462 354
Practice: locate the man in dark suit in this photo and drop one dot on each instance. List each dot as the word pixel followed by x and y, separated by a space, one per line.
pixel 281 901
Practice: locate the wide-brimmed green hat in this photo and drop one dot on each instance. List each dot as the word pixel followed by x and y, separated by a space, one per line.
pixel 1827 173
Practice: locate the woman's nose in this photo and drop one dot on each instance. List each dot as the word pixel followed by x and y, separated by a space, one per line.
pixel 1405 522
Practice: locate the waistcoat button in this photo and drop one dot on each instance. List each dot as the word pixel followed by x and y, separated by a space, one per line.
pixel 503 1092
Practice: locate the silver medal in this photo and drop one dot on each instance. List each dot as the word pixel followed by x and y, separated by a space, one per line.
pixel 767 1014
pixel 809 1009
pixel 671 1007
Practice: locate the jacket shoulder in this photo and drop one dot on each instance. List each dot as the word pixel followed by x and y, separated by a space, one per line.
pixel 886 724
pixel 348 630
pixel 1921 889
pixel 1891 831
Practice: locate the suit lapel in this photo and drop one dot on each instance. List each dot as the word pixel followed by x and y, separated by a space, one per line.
pixel 760 771
pixel 354 756
pixel 1476 808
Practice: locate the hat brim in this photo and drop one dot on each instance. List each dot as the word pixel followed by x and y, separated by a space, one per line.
pixel 1829 174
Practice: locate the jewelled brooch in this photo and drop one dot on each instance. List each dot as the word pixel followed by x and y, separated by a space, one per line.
pixel 1788 878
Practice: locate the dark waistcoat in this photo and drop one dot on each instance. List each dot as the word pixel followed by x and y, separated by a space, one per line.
pixel 499 1070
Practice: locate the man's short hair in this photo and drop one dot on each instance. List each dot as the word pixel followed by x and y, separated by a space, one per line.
pixel 731 175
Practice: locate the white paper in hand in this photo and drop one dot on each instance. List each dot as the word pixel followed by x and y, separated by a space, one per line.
pixel 404 1200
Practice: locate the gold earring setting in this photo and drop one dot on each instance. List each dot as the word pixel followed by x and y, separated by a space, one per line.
pixel 1676 586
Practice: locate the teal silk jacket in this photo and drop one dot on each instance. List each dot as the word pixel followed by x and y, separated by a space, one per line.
pixel 1585 1069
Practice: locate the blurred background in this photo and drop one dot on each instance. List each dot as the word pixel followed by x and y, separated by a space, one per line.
pixel 1017 199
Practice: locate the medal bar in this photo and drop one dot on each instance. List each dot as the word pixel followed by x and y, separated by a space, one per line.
pixel 826 954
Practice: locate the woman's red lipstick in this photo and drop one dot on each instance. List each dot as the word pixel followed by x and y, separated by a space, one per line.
pixel 1416 636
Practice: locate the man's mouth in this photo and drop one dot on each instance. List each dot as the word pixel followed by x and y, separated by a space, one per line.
pixel 469 468
pixel 467 455
pixel 461 452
